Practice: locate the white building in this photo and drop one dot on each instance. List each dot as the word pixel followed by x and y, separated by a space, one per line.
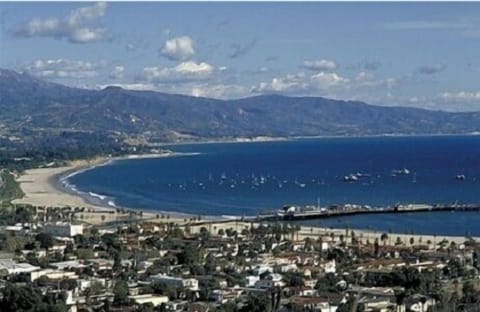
pixel 63 229
pixel 148 298
pixel 13 267
pixel 53 275
pixel 177 282
pixel 274 280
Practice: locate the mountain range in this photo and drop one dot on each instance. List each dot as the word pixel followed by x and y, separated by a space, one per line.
pixel 32 107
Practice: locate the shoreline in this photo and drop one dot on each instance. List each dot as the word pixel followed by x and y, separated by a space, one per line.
pixel 270 139
pixel 46 187
pixel 43 187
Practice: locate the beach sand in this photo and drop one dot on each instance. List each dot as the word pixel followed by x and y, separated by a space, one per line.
pixel 42 188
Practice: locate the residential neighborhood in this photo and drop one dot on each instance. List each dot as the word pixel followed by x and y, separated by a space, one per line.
pixel 52 259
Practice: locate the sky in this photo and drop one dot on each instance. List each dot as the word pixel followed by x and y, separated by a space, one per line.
pixel 408 54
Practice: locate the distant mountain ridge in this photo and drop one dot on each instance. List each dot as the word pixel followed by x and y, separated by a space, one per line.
pixel 30 105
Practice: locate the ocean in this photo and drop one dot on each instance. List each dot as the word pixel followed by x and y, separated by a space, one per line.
pixel 242 179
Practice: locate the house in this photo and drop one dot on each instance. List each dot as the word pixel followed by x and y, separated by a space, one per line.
pixel 251 280
pixel 63 229
pixel 13 267
pixel 156 300
pixel 178 282
pixel 273 280
pixel 318 304
pixel 53 275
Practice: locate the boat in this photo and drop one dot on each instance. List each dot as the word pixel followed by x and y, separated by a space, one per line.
pixel 350 178
pixel 460 177
pixel 403 171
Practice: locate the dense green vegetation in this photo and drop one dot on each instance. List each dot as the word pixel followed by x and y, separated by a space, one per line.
pixel 9 188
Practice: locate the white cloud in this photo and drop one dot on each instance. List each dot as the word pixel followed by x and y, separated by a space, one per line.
pixel 183 72
pixel 118 72
pixel 179 49
pixel 291 83
pixel 320 65
pixel 367 79
pixel 218 91
pixel 63 68
pixel 325 81
pixel 80 26
pixel 302 84
pixel 461 96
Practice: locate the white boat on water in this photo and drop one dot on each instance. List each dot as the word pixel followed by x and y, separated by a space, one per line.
pixel 460 177
pixel 350 178
pixel 403 171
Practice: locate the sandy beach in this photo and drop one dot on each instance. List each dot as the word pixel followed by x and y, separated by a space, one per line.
pixel 40 189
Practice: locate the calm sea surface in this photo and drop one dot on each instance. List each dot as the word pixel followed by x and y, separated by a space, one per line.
pixel 244 179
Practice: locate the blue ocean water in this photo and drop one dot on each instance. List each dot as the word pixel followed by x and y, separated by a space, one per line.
pixel 246 178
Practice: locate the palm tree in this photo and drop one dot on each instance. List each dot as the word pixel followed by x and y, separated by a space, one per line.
pixel 384 238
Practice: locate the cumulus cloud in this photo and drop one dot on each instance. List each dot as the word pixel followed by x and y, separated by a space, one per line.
pixel 183 72
pixel 431 69
pixel 320 65
pixel 239 50
pixel 367 79
pixel 118 72
pixel 178 49
pixel 63 68
pixel 80 26
pixel 325 81
pixel 291 83
pixel 301 83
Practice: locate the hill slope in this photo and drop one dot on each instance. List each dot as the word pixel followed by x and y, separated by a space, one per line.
pixel 30 106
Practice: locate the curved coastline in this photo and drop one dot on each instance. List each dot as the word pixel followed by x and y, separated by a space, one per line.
pixel 49 187
pixel 65 196
pixel 61 182
pixel 54 194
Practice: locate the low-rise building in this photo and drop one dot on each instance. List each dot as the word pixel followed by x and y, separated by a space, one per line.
pixel 63 229
pixel 178 282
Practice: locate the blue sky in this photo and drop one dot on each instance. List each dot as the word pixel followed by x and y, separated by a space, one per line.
pixel 409 54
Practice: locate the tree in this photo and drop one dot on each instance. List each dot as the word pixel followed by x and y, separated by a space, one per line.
pixel 120 292
pixel 146 307
pixel 46 240
pixel 376 247
pixel 257 302
pixel 384 238
pixel 293 279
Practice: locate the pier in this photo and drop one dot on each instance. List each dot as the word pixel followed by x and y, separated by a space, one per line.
pixel 297 213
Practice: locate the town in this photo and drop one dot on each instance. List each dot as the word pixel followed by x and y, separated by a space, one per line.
pixel 56 259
